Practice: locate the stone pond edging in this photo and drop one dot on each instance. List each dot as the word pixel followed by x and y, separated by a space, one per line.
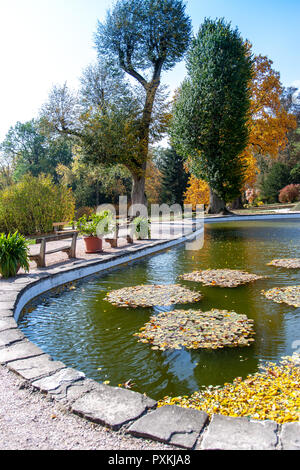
pixel 115 407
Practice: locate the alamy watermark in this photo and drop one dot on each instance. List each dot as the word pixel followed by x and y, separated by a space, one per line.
pixel 156 222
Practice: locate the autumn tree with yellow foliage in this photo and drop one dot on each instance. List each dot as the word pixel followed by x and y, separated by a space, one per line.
pixel 197 192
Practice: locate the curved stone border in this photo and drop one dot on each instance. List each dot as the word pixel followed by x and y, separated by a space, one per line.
pixel 112 406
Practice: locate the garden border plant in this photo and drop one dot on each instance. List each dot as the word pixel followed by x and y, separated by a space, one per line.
pixel 13 254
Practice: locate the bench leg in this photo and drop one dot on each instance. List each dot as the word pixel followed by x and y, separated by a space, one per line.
pixel 40 260
pixel 112 241
pixel 72 252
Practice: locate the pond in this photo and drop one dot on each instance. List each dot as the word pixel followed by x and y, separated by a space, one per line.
pixel 79 328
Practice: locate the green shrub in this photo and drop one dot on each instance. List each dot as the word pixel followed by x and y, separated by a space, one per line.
pixel 277 178
pixel 34 204
pixel 13 254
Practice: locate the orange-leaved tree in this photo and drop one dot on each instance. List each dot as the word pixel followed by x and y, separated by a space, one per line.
pixel 269 122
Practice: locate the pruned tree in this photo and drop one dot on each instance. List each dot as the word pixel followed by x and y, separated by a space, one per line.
pixel 146 37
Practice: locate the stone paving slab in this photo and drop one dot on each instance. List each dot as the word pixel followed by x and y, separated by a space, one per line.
pixel 35 368
pixel 9 337
pixel 22 350
pixel 290 436
pixel 8 295
pixel 112 406
pixel 171 424
pixel 76 390
pixel 6 313
pixel 7 324
pixel 57 383
pixel 227 433
pixel 10 305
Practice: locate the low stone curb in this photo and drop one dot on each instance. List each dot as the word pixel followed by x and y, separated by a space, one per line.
pixel 116 407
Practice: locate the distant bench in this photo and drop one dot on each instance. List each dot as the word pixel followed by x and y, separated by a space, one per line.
pixel 40 258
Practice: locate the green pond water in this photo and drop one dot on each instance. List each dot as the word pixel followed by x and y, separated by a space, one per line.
pixel 79 328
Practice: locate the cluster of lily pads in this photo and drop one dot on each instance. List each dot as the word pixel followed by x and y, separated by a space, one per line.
pixel 289 295
pixel 152 295
pixel 221 277
pixel 273 393
pixel 194 329
pixel 290 263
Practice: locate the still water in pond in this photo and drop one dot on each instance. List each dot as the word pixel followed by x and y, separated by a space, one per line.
pixel 85 332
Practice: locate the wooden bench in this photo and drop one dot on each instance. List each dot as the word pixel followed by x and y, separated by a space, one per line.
pixel 120 225
pixel 40 258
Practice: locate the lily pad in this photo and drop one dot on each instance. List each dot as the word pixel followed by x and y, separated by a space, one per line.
pixel 289 295
pixel 221 277
pixel 194 329
pixel 152 295
pixel 290 263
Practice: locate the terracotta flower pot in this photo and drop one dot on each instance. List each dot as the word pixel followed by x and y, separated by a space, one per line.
pixel 93 244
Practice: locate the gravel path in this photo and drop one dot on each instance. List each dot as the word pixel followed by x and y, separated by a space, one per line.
pixel 30 421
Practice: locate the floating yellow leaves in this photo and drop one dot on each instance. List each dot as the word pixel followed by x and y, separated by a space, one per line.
pixel 290 263
pixel 194 329
pixel 150 296
pixel 271 394
pixel 289 295
pixel 221 277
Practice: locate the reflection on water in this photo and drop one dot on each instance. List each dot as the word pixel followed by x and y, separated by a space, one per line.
pixel 81 329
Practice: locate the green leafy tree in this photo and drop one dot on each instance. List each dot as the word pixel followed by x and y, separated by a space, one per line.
pixel 174 176
pixel 209 125
pixel 28 150
pixel 290 100
pixel 295 174
pixel 93 185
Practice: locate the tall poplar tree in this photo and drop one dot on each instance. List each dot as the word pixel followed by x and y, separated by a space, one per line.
pixel 209 125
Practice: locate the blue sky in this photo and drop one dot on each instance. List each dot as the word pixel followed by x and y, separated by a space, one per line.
pixel 45 42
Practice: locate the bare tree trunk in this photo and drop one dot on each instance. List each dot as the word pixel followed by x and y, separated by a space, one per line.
pixel 216 204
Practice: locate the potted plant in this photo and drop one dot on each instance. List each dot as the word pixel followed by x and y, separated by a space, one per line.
pixel 93 228
pixel 141 228
pixel 13 254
